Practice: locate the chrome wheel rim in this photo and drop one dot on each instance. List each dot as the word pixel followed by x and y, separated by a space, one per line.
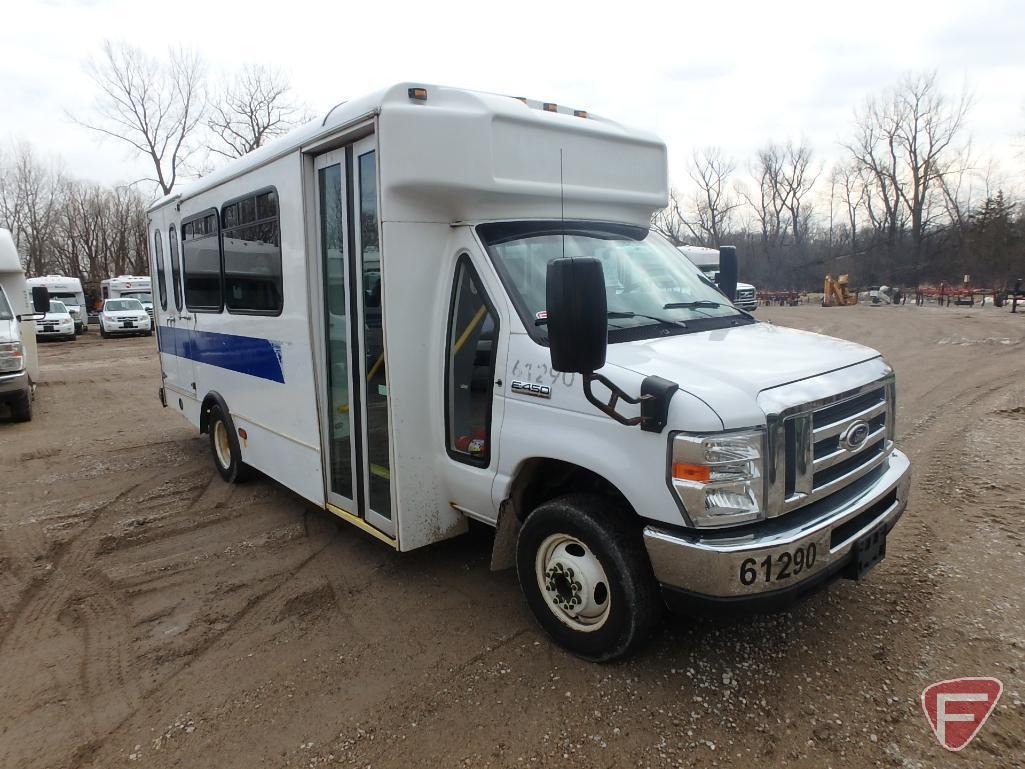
pixel 222 446
pixel 573 582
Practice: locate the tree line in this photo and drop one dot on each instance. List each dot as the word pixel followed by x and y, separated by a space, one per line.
pixel 906 204
pixel 166 110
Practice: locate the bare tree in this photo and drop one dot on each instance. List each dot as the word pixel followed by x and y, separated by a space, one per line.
pixel 714 200
pixel 670 221
pixel 153 106
pixel 251 110
pixel 29 197
pixel 907 142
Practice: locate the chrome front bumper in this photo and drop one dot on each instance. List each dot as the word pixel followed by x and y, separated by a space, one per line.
pixel 709 564
pixel 14 384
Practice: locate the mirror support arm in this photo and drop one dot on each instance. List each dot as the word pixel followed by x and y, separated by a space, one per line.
pixel 616 394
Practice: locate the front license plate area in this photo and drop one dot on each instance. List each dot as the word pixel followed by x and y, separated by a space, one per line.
pixel 867 552
pixel 129 324
pixel 774 569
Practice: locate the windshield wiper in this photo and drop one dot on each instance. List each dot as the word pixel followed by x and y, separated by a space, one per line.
pixel 704 303
pixel 613 315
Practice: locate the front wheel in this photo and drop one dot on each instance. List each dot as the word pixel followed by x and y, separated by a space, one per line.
pixel 21 409
pixel 103 333
pixel 225 447
pixel 585 574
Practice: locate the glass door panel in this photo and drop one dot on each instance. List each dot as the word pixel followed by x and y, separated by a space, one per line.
pixel 332 229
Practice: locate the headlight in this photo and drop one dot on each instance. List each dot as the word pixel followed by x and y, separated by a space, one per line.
pixel 719 477
pixel 12 356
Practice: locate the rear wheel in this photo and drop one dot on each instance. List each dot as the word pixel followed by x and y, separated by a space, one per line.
pixel 21 409
pixel 225 447
pixel 585 574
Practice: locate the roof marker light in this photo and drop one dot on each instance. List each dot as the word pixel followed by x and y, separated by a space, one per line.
pixel 417 94
pixel 580 113
pixel 551 107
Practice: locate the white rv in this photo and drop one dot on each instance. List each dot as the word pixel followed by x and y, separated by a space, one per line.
pixel 129 287
pixel 19 365
pixel 69 292
pixel 432 305
pixel 707 260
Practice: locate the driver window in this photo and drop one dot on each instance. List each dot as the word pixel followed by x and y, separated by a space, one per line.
pixel 470 370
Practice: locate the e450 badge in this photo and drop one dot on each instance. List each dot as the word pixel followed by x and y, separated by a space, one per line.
pixel 531 388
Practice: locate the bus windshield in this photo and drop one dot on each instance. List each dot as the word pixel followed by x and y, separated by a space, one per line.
pixel 650 286
pixel 143 296
pixel 69 299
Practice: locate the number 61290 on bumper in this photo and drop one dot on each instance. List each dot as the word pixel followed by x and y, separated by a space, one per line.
pixel 780 560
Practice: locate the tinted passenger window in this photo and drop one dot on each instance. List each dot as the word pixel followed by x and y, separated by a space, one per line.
pixel 472 347
pixel 158 257
pixel 176 268
pixel 252 255
pixel 201 255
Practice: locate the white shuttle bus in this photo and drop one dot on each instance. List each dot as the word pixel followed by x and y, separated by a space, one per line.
pixel 19 308
pixel 433 305
pixel 69 292
pixel 129 287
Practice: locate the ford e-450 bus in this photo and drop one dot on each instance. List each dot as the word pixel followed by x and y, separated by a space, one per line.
pixel 432 305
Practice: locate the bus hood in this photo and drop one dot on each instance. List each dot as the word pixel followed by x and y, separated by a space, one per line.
pixel 728 368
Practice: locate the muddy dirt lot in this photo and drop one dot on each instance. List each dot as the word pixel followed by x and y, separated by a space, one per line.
pixel 151 615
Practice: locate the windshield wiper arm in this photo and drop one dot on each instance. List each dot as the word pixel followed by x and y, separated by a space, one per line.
pixel 704 303
pixel 663 321
pixel 692 305
pixel 612 314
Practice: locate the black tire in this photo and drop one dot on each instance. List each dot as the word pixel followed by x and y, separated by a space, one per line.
pixel 21 409
pixel 103 333
pixel 236 471
pixel 613 536
pixel 149 333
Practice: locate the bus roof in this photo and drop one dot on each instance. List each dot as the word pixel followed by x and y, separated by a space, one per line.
pixel 459 155
pixel 9 260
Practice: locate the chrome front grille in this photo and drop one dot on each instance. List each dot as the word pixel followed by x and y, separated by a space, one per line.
pixel 821 446
pixel 745 293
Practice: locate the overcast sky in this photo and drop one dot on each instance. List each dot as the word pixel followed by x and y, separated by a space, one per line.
pixel 731 74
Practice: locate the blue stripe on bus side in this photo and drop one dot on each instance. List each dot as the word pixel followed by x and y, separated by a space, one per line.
pixel 245 354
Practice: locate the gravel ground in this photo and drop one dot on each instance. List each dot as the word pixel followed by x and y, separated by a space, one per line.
pixel 151 615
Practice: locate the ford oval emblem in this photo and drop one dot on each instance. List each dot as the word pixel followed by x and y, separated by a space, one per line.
pixel 854 437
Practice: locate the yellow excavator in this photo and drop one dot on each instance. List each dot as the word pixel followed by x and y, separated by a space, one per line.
pixel 835 294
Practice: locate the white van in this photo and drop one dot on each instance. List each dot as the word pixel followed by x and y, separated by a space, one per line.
pixel 432 305
pixel 69 291
pixel 129 287
pixel 19 364
pixel 707 260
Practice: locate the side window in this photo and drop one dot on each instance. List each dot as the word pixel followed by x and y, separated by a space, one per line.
pixel 201 263
pixel 158 257
pixel 470 368
pixel 252 255
pixel 176 267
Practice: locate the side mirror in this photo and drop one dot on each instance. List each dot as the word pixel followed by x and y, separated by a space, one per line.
pixel 41 299
pixel 577 314
pixel 728 270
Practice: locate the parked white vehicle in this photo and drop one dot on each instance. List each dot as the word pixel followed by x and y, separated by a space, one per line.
pixel 707 260
pixel 432 305
pixel 69 291
pixel 120 317
pixel 19 364
pixel 129 287
pixel 56 323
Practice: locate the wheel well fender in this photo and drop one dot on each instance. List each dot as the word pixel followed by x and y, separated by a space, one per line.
pixel 212 399
pixel 540 479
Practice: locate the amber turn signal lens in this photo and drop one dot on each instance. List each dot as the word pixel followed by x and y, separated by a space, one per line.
pixel 684 472
pixel 419 94
pixel 551 107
